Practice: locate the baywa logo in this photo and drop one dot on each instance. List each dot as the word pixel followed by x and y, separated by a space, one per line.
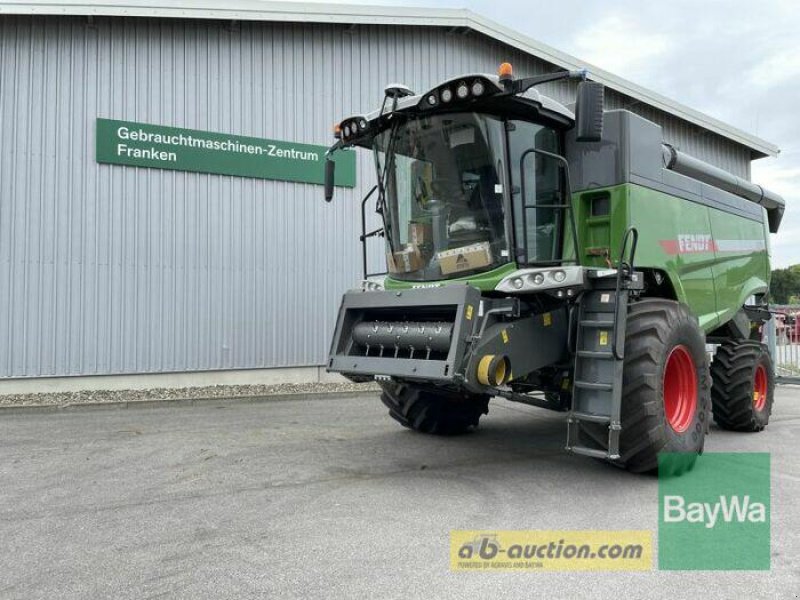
pixel 716 517
pixel 729 508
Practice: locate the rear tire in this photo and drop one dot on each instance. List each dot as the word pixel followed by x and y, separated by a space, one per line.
pixel 437 412
pixel 666 404
pixel 744 386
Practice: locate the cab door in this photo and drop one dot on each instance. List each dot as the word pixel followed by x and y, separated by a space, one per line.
pixel 537 190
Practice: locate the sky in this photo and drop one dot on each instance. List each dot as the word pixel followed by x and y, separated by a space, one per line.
pixel 736 60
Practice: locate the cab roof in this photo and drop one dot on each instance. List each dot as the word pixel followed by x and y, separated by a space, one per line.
pixel 358 130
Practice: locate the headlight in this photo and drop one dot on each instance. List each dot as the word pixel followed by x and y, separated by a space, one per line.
pixel 552 281
pixel 371 285
pixel 347 130
pixel 478 88
pixel 447 95
pixel 431 99
pixel 362 124
pixel 462 91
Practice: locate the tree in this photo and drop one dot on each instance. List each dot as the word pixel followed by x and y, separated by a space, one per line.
pixel 785 285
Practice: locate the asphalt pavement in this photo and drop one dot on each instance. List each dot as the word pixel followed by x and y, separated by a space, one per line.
pixel 330 498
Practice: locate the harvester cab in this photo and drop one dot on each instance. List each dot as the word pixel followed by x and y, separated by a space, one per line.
pixel 561 260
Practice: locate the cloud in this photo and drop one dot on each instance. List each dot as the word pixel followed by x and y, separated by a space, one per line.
pixel 782 175
pixel 782 178
pixel 785 248
pixel 618 43
pixel 776 69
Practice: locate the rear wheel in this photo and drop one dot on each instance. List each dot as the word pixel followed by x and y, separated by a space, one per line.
pixel 744 385
pixel 666 387
pixel 429 411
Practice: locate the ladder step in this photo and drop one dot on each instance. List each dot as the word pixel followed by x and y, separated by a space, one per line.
pixel 595 354
pixel 589 452
pixel 591 417
pixel 590 385
pixel 598 373
pixel 598 324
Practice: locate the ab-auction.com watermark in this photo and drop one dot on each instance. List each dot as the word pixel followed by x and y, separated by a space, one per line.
pixel 551 550
pixel 715 517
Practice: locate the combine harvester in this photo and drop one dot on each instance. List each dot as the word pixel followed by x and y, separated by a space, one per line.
pixel 573 262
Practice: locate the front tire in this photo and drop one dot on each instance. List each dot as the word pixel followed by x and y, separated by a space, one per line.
pixel 666 400
pixel 744 386
pixel 433 411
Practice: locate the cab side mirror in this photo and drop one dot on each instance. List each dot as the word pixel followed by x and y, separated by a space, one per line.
pixel 589 107
pixel 330 170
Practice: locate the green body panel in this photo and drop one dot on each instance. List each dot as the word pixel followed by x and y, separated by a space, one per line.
pixel 485 282
pixel 714 260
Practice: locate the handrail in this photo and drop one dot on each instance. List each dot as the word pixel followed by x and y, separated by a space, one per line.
pixel 566 207
pixel 364 228
pixel 622 266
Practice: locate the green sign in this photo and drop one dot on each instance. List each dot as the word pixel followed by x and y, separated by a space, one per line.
pixel 716 517
pixel 159 147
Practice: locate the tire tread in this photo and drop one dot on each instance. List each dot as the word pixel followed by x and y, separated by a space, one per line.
pixel 644 428
pixel 732 393
pixel 435 412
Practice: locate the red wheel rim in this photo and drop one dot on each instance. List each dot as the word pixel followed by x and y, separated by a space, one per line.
pixel 680 389
pixel 760 388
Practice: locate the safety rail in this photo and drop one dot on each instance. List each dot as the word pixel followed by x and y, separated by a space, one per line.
pixel 782 335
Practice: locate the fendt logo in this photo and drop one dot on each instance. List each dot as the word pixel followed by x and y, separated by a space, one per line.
pixel 729 508
pixel 698 243
pixel 689 243
pixel 695 243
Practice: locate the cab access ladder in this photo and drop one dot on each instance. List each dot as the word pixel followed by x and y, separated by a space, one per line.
pixel 594 422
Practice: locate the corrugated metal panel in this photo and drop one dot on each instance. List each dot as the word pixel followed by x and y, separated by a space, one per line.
pixel 108 269
pixel 359 14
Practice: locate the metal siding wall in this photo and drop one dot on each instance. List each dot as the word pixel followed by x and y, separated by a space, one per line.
pixel 107 269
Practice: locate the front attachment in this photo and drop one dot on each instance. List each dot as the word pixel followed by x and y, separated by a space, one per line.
pixel 411 334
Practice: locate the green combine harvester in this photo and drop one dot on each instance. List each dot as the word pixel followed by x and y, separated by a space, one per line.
pixel 574 262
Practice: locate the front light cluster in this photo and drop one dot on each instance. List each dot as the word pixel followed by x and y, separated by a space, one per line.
pixel 535 280
pixel 460 90
pixel 353 128
pixel 372 285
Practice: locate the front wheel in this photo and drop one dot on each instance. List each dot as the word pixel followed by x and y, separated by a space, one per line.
pixel 666 400
pixel 433 411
